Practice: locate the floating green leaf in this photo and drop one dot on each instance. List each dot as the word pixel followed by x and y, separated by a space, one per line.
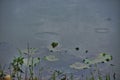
pixel 54 44
pixel 51 58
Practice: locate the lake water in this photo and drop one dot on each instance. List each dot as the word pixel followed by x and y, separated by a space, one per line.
pixel 91 25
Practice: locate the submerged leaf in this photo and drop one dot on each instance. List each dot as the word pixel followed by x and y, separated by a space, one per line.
pixel 78 65
pixel 103 57
pixel 51 58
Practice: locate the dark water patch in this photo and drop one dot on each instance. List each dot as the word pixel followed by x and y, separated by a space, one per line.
pixel 77 48
pixel 108 19
pixel 7 51
pixel 5 46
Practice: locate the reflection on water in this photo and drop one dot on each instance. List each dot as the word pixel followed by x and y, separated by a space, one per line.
pixel 101 30
pixel 72 23
pixel 47 36
pixel 4 46
pixel 6 52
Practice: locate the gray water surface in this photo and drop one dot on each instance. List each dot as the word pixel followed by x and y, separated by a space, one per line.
pixel 91 25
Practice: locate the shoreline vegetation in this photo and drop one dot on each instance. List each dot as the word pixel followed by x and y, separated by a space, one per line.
pixel 23 67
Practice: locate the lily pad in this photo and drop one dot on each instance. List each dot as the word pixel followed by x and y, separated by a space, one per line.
pixel 51 58
pixel 78 65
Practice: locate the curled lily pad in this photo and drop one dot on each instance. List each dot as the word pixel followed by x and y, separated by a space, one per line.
pixel 51 58
pixel 102 57
pixel 78 65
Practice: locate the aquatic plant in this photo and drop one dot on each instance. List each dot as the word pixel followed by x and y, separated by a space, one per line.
pixel 31 62
pixel 54 44
pixel 92 76
pixel 17 65
pixel 54 75
pixel 23 66
pixel 2 73
pixel 107 77
pixel 71 77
